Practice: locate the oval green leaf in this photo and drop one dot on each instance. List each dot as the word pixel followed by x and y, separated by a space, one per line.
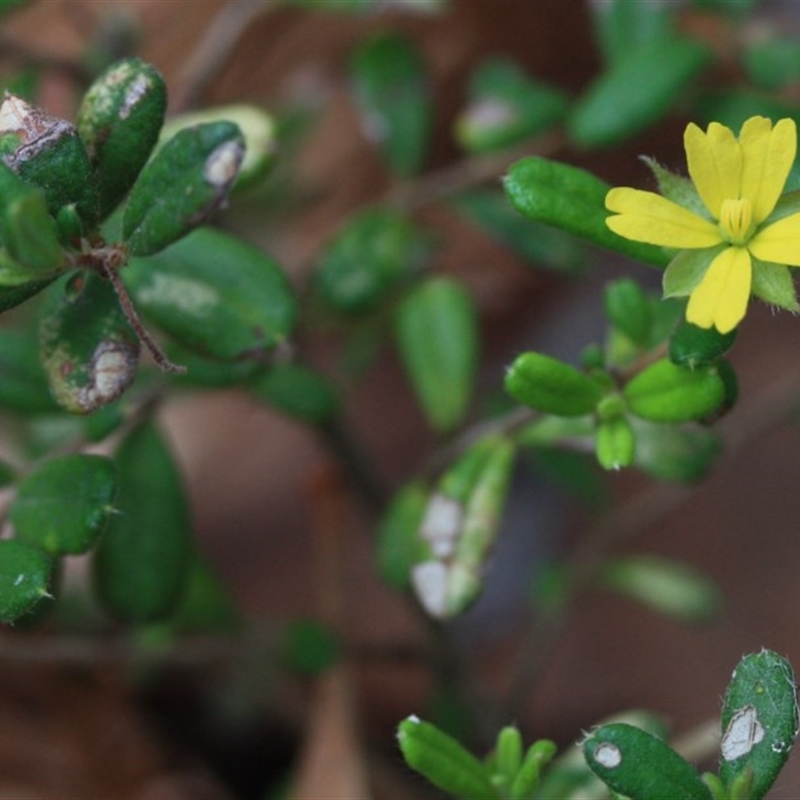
pixel 691 346
pixel 636 764
pixel 215 294
pixel 572 199
pixel 666 392
pixel 759 720
pixel 436 331
pixel 391 88
pixel 298 391
pixel 119 121
pixel 505 107
pixel 620 103
pixel 669 587
pixel 550 385
pixel 372 254
pixel 88 348
pixel 187 181
pixel 142 562
pixel 443 761
pixel 64 506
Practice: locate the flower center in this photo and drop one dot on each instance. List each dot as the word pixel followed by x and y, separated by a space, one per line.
pixel 736 220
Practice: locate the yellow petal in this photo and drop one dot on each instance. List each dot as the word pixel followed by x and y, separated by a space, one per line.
pixel 721 298
pixel 715 164
pixel 649 217
pixel 779 242
pixel 767 156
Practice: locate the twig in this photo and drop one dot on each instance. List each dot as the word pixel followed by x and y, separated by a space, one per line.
pixel 765 412
pixel 132 316
pixel 215 48
pixel 443 183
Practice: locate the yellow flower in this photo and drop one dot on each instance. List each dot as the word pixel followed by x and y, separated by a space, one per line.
pixel 733 220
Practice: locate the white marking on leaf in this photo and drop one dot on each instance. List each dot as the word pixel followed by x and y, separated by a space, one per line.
pixel 222 165
pixel 430 585
pixel 442 524
pixel 608 755
pixel 744 731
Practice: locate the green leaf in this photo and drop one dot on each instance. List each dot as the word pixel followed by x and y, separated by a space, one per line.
pixel 12 296
pixel 773 62
pixel 309 647
pixel 549 385
pixel 208 373
pixel 460 536
pixel 691 346
pixel 539 244
pixel 686 270
pixel 443 761
pixel 538 755
pixel 572 199
pixel 259 129
pixel 64 506
pixel 677 188
pixel 622 102
pixel 27 231
pixel 10 5
pixel 45 151
pixel 398 547
pixel 373 253
pixel 298 391
pixel 507 757
pixel 24 578
pixel 30 235
pixel 735 8
pixel 436 331
pixel 205 605
pixel 672 453
pixel 215 294
pixel 88 348
pixel 142 562
pixel 636 764
pixel 187 180
pixel 669 587
pixel 666 392
pixel 505 107
pixel 23 382
pixel 621 26
pixel 774 284
pixel 759 721
pixel 616 443
pixel 628 308
pixel 390 84
pixel 119 120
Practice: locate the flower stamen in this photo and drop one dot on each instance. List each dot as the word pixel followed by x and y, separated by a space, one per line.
pixel 736 220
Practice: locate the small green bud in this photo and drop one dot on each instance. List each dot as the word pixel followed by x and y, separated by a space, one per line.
pixel 666 392
pixel 550 385
pixel 691 346
pixel 615 443
pixel 443 761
